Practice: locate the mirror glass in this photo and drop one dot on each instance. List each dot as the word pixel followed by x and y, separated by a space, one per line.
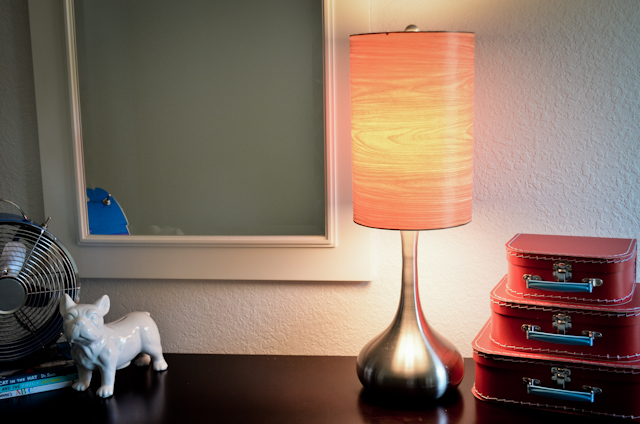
pixel 202 117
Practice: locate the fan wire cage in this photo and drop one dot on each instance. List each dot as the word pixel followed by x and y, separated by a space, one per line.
pixel 35 272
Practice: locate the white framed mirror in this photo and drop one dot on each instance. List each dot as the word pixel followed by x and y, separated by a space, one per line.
pixel 330 248
pixel 202 120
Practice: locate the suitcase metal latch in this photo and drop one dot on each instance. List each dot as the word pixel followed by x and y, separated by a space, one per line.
pixel 529 277
pixel 561 323
pixel 593 282
pixel 562 272
pixel 561 376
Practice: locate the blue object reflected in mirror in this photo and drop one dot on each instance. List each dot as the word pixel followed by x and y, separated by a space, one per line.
pixel 105 214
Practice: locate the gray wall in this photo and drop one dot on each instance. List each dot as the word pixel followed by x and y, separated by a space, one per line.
pixel 20 179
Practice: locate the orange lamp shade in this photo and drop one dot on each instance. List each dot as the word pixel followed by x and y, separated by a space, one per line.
pixel 412 129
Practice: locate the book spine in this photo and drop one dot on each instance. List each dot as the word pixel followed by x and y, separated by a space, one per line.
pixel 38 375
pixel 36 383
pixel 37 389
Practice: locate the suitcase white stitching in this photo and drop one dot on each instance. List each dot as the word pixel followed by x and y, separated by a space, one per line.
pixel 544 405
pixel 628 252
pixel 582 299
pixel 564 352
pixel 622 368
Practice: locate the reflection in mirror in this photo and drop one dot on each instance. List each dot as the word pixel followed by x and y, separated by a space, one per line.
pixel 202 117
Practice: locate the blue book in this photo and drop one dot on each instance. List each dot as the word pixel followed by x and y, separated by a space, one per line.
pixel 37 372
pixel 37 389
pixel 41 382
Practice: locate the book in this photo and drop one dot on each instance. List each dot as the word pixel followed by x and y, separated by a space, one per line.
pixel 41 382
pixel 53 369
pixel 37 389
pixel 37 372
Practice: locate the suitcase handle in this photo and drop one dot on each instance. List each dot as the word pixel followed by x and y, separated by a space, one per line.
pixel 588 395
pixel 586 286
pixel 534 333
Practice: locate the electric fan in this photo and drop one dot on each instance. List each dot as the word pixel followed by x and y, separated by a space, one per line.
pixel 35 272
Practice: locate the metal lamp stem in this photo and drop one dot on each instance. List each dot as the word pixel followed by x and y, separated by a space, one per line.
pixel 409 358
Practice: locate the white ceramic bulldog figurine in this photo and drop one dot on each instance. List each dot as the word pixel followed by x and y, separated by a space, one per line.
pixel 108 347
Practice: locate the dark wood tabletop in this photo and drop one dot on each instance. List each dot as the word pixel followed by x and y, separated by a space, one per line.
pixel 259 390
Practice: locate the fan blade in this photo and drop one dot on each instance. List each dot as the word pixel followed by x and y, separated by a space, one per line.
pixel 39 299
pixel 25 322
pixel 12 259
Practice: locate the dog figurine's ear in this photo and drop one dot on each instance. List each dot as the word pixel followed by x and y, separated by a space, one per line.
pixel 103 305
pixel 66 303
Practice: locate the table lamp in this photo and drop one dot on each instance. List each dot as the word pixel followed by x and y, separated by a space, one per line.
pixel 412 150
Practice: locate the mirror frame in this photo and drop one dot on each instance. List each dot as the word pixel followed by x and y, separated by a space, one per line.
pixel 200 257
pixel 326 240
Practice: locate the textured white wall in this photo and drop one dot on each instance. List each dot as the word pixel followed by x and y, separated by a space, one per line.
pixel 557 150
pixel 557 140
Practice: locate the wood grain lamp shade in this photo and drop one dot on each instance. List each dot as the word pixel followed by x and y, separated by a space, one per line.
pixel 412 129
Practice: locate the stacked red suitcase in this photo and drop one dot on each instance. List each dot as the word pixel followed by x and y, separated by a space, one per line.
pixel 564 331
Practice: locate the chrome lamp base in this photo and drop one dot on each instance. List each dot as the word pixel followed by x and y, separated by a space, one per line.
pixel 409 358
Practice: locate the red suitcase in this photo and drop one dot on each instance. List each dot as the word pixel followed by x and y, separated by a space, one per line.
pixel 607 388
pixel 571 269
pixel 599 332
